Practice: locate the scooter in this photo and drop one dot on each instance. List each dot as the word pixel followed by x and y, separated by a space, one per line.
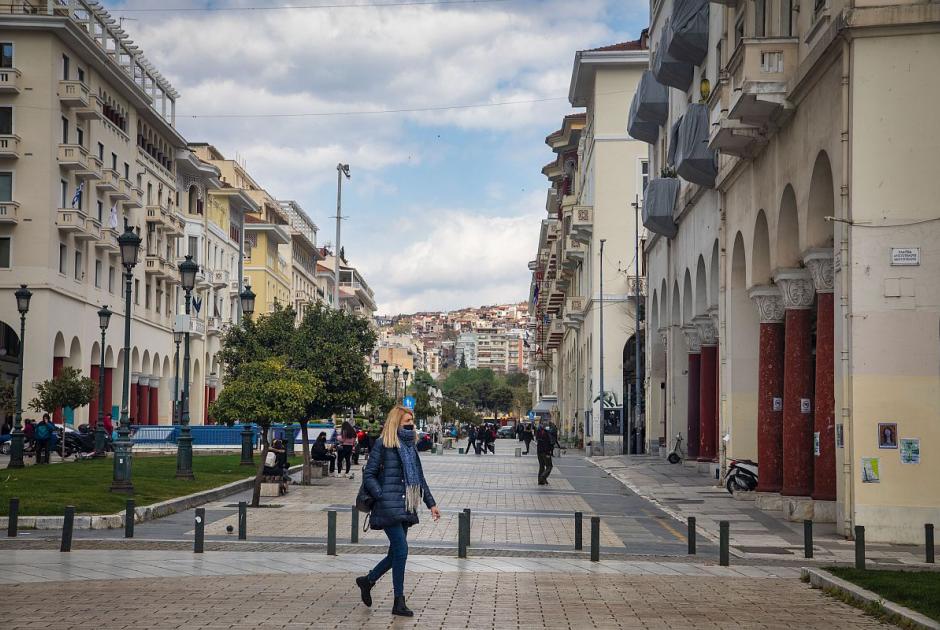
pixel 742 476
pixel 677 454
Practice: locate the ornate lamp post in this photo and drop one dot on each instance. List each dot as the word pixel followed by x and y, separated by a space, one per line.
pixel 247 299
pixel 384 377
pixel 23 296
pixel 395 373
pixel 129 244
pixel 184 445
pixel 404 376
pixel 177 339
pixel 104 318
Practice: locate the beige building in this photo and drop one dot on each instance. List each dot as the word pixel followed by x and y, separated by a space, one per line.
pixel 793 304
pixel 304 257
pixel 597 173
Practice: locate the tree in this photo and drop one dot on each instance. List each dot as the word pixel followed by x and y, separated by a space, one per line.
pixel 265 392
pixel 7 397
pixel 503 398
pixel 256 339
pixel 68 389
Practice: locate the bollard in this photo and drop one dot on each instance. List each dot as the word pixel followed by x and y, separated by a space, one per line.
pixel 67 524
pixel 440 449
pixel 518 452
pixel 199 539
pixel 460 451
pixel 354 526
pixel 723 539
pixel 242 520
pixel 691 535
pixel 807 538
pixel 595 538
pixel 130 517
pixel 434 449
pixel 463 533
pixel 860 547
pixel 14 517
pixel 578 516
pixel 331 533
pixel 928 535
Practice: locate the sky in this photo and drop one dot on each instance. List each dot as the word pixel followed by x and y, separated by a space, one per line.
pixel 443 207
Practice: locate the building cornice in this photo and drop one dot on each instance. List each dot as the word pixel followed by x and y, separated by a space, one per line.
pixel 587 62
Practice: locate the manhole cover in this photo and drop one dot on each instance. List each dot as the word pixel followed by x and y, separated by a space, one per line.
pixel 775 550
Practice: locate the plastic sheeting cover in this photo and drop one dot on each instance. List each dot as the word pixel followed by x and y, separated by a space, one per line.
pixel 653 99
pixel 667 69
pixel 673 141
pixel 659 202
pixel 689 31
pixel 695 162
pixel 638 128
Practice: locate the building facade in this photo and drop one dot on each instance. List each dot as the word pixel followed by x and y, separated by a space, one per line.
pixel 304 257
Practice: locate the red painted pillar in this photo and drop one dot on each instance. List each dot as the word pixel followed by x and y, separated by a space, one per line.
pixel 205 403
pixel 133 411
pixel 799 369
pixel 819 262
pixel 212 394
pixel 770 388
pixel 693 427
pixel 57 364
pixel 108 388
pixel 143 400
pixel 93 405
pixel 154 400
pixel 708 379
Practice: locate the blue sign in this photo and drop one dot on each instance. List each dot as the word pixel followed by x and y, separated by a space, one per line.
pixel 531 415
pixel 409 402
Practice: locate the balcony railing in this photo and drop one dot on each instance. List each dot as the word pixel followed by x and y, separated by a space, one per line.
pixel 582 223
pixel 219 278
pixel 760 69
pixel 9 80
pixel 9 212
pixel 73 157
pixel 71 221
pixel 9 146
pixel 107 241
pixel 73 93
pixel 214 325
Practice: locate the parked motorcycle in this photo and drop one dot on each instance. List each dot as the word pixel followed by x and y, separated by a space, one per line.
pixel 83 441
pixel 742 476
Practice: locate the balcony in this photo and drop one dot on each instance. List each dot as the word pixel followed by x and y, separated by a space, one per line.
pixel 175 224
pixel 73 157
pixel 732 137
pixel 233 287
pixel 72 221
pixel 107 241
pixel 165 220
pixel 122 190
pixel 218 278
pixel 574 309
pixel 108 182
pixel 276 234
pixel 9 81
pixel 582 223
pixel 556 332
pixel 190 324
pixel 74 94
pixel 213 326
pixel 92 231
pixel 154 264
pixel 203 278
pixel 574 253
pixel 9 212
pixel 760 69
pixel 90 112
pixel 136 198
pixel 9 147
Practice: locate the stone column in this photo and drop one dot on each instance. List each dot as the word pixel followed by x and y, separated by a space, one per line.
pixel 769 387
pixel 708 379
pixel 819 263
pixel 693 427
pixel 143 400
pixel 796 288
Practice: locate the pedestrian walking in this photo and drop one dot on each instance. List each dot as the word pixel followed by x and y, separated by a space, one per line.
pixel 347 441
pixel 319 452
pixel 544 446
pixel 527 437
pixel 394 478
pixel 42 434
pixel 471 438
pixel 491 439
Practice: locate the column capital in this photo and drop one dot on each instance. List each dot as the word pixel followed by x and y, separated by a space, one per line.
pixel 714 312
pixel 769 303
pixel 707 331
pixel 692 340
pixel 135 376
pixel 796 288
pixel 820 265
pixel 143 381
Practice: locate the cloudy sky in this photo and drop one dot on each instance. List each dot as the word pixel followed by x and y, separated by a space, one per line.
pixel 445 197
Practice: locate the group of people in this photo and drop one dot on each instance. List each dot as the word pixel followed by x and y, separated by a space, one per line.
pixel 346 447
pixel 39 438
pixel 481 439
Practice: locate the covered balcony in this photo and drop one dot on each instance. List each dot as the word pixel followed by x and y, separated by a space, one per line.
pixel 9 212
pixel 667 69
pixel 649 109
pixel 689 41
pixel 155 264
pixel 732 137
pixel 122 191
pixel 574 311
pixel 582 223
pixel 760 69
pixel 9 147
pixel 218 278
pixel 9 81
pixel 276 234
pixel 92 111
pixel 73 94
pixel 659 204
pixel 213 326
pixel 695 162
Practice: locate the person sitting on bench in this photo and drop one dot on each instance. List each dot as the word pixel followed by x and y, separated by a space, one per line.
pixel 319 452
pixel 278 464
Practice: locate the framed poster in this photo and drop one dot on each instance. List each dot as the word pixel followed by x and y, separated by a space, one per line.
pixel 887 435
pixel 816 443
pixel 910 450
pixel 870 472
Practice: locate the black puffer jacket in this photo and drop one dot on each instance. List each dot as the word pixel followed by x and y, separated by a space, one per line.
pixel 384 479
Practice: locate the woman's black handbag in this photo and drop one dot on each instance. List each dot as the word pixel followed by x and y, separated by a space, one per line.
pixel 364 501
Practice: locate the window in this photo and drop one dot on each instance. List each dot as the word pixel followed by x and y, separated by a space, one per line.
pixel 114 162
pixel 100 212
pixel 63 194
pixel 159 299
pixel 6 120
pixel 98 273
pixel 6 186
pixel 786 18
pixel 81 74
pixel 101 152
pixel 644 176
pixel 760 18
pixel 146 295
pixel 78 264
pixel 6 55
pixel 65 131
pixel 65 67
pixel 63 258
pixel 111 278
pixel 739 29
pixel 5 250
pixel 136 291
pixel 79 136
pixel 193 243
pixel 127 171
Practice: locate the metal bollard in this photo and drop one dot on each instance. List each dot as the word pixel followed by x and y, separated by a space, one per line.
pixel 460 451
pixel 518 452
pixel 200 537
pixel 242 520
pixel 130 517
pixel 860 547
pixel 723 540
pixel 578 517
pixel 595 538
pixel 331 533
pixel 463 533
pixel 13 520
pixel 354 526
pixel 691 535
pixel 67 524
pixel 807 538
pixel 928 536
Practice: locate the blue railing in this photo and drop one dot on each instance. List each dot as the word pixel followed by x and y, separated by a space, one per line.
pixel 220 435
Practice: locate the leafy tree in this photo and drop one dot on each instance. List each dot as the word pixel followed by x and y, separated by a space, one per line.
pixel 68 389
pixel 7 397
pixel 259 338
pixel 503 398
pixel 265 392
pixel 517 379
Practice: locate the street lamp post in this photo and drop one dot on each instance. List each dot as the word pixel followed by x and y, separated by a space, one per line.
pixel 395 373
pixel 184 445
pixel 247 299
pixel 341 169
pixel 600 311
pixel 23 295
pixel 404 376
pixel 177 339
pixel 384 377
pixel 129 244
pixel 104 318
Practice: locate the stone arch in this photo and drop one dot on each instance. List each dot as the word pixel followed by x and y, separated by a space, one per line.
pixel 135 360
pixel 819 232
pixel 166 391
pixel 74 360
pixel 155 369
pixel 663 304
pixel 760 251
pixel 58 346
pixel 74 357
pixel 701 287
pixel 145 364
pixel 109 357
pixel 688 312
pixel 714 279
pixel 96 353
pixel 743 332
pixel 788 231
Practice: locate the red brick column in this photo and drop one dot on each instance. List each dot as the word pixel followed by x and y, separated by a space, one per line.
pixel 154 400
pixel 819 262
pixel 57 364
pixel 93 405
pixel 143 400
pixel 693 426
pixel 133 411
pixel 708 388
pixel 108 385
pixel 769 388
pixel 796 287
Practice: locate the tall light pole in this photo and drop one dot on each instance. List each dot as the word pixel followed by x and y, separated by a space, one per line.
pixel 640 394
pixel 341 169
pixel 247 300
pixel 404 391
pixel 601 310
pixel 129 244
pixel 104 318
pixel 384 377
pixel 395 373
pixel 184 444
pixel 23 295
pixel 177 339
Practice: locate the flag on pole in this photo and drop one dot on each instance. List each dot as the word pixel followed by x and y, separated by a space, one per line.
pixel 77 197
pixel 113 219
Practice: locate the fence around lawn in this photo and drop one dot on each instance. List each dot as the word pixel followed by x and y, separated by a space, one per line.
pixel 220 436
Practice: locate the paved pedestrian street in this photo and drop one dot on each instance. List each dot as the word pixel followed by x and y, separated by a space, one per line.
pixel 522 570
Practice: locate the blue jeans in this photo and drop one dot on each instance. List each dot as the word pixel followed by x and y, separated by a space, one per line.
pixel 396 558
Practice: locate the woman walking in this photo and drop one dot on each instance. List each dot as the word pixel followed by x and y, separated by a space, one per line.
pixel 394 478
pixel 347 441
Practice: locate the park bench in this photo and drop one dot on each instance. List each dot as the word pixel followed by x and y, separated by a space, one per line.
pixel 273 486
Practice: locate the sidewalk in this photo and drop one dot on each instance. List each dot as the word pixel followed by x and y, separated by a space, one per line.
pixel 683 491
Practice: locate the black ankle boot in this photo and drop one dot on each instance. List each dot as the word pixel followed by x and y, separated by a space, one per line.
pixel 365 589
pixel 400 609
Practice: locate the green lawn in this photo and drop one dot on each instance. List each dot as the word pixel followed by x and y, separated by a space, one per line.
pixel 46 490
pixel 917 590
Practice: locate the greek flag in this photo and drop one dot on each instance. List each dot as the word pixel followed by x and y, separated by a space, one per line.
pixel 77 197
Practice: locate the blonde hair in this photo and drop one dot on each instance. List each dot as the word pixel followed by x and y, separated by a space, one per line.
pixel 389 433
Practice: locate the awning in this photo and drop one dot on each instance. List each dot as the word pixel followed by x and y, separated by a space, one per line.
pixel 545 406
pixel 695 162
pixel 673 140
pixel 640 129
pixel 667 69
pixel 690 31
pixel 659 203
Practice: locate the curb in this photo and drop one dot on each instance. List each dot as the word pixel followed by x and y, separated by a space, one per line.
pixel 142 513
pixel 821 579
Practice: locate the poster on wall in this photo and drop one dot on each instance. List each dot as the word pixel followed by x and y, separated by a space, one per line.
pixel 816 443
pixel 887 435
pixel 910 450
pixel 840 436
pixel 870 472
